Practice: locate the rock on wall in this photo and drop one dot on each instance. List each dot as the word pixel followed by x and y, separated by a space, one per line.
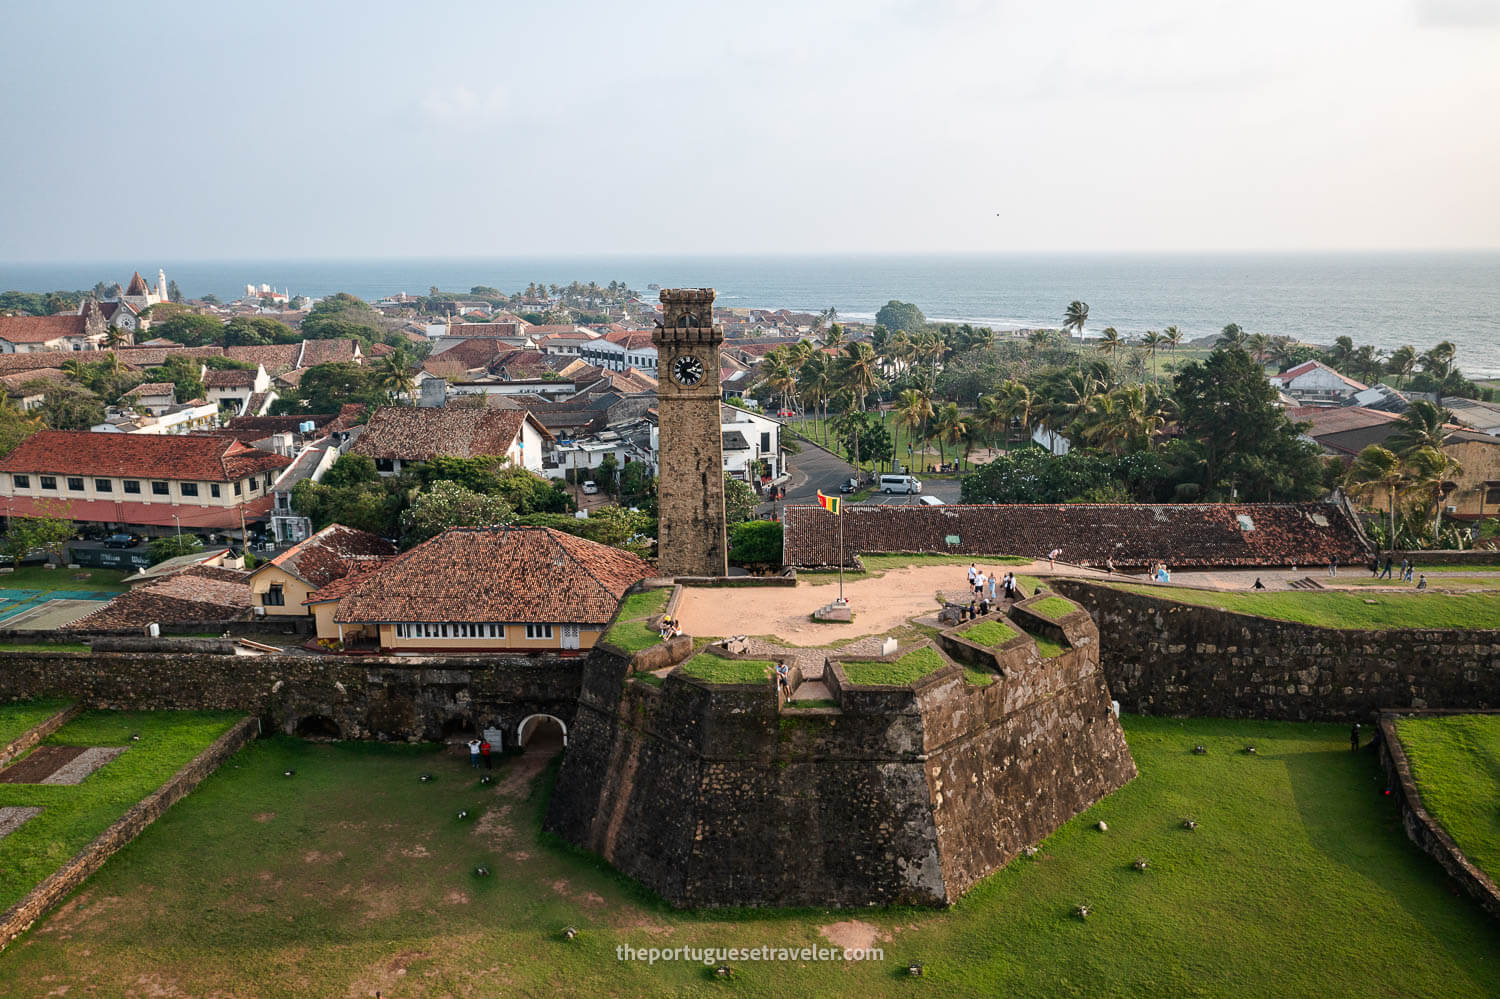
pixel 1167 658
pixel 348 697
pixel 712 797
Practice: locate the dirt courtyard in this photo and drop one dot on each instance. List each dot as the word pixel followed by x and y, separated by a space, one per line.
pixel 880 604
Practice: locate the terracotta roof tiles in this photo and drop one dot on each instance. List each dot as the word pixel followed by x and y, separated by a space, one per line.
pixel 411 433
pixel 330 554
pixel 41 329
pixel 204 458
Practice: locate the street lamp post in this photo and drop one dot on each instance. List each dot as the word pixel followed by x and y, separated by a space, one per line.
pixel 178 520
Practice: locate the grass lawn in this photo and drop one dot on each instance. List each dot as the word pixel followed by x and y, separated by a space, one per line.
pixel 630 632
pixel 34 577
pixel 715 669
pixel 22 716
pixel 74 814
pixel 1046 647
pixel 43 647
pixel 991 634
pixel 1455 760
pixel 1053 608
pixel 354 876
pixel 1332 609
pixel 909 668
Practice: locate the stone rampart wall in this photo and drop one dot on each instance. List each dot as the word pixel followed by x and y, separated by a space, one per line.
pixel 1167 658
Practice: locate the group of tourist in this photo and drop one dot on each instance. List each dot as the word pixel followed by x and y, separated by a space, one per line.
pixel 670 628
pixel 479 750
pixel 1160 573
pixel 987 588
pixel 1407 570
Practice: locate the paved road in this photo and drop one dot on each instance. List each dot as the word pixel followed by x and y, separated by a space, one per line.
pixel 810 471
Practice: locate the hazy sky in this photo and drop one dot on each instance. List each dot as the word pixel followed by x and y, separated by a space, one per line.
pixel 500 128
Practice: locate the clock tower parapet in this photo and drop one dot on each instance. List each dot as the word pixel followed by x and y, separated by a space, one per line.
pixel 688 318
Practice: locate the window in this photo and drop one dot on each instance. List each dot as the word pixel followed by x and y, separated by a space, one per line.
pixel 254 484
pixel 539 631
pixel 237 489
pixel 188 488
pixel 49 482
pixel 268 480
pixel 132 485
pixel 23 481
pixel 75 484
pixel 1491 493
pixel 274 597
pixel 158 489
pixel 385 465
pixel 104 485
pixel 765 442
pixel 213 490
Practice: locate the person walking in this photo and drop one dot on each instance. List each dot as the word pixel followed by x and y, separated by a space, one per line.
pixel 1052 558
pixel 1387 573
pixel 783 680
pixel 1375 567
pixel 474 753
pixel 1109 565
pixel 973 571
pixel 992 587
pixel 979 583
pixel 484 751
pixel 1333 566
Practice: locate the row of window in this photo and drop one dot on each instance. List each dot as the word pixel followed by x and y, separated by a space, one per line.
pixel 430 629
pixel 132 487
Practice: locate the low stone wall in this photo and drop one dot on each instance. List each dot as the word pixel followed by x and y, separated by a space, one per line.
pixel 351 697
pixel 788 578
pixel 37 733
pixel 1167 658
pixel 73 873
pixel 1450 557
pixel 1421 827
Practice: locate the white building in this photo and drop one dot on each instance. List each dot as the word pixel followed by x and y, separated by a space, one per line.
pixel 1313 382
pixel 752 445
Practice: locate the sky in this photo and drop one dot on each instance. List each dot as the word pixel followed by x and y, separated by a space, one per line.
pixel 447 129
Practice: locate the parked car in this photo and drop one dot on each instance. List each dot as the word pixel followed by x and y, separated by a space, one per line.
pixel 929 501
pixel 590 487
pixel 121 541
pixel 909 484
pixel 848 486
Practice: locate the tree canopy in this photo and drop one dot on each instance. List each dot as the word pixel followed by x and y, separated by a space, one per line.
pixel 894 315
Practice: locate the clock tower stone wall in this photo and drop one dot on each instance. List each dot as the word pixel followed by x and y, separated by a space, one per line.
pixel 690 485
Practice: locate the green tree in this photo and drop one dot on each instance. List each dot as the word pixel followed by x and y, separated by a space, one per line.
pixel 1075 317
pixel 739 499
pixel 343 315
pixel 48 532
pixel 15 425
pixel 254 331
pixel 174 545
pixel 636 483
pixel 894 315
pixel 1422 425
pixel 859 372
pixel 1110 342
pixel 1246 446
pixel 447 504
pixel 190 329
pixel 326 387
pixel 393 373
pixel 352 470
pixel 1401 364
pixel 66 406
pixel 755 542
pixel 1378 471
pixel 949 427
pixel 185 374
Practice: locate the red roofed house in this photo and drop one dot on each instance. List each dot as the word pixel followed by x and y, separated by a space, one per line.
pixel 1313 382
pixel 28 334
pixel 399 435
pixel 138 480
pixel 484 589
pixel 283 584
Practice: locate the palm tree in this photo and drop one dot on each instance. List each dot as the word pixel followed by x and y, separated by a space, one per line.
pixel 1232 336
pixel 990 415
pixel 779 374
pixel 901 350
pixel 1402 363
pixel 1173 336
pixel 948 427
pixel 1378 471
pixel 1260 347
pixel 1283 352
pixel 1431 470
pixel 394 376
pixel 1039 339
pixel 1074 318
pixel 1109 341
pixel 1439 360
pixel 913 410
pixel 1367 364
pixel 1339 355
pixel 815 385
pixel 1421 426
pixel 834 337
pixel 1018 404
pixel 1151 343
pixel 859 371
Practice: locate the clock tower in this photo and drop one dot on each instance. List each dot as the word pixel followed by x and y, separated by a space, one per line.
pixel 690 484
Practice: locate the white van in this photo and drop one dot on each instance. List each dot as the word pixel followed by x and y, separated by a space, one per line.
pixel 900 484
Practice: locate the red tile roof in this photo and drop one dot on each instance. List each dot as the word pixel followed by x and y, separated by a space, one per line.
pixel 151 388
pixel 40 329
pixel 331 554
pixel 1135 535
pixel 229 378
pixel 500 574
pixel 165 456
pixel 328 352
pixel 191 595
pixel 412 433
pixel 631 340
pixel 276 358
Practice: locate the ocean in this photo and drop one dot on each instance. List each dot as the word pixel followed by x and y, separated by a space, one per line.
pixel 1385 299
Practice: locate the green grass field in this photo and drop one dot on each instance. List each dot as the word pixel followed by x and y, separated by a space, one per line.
pixel 20 717
pixel 354 876
pixel 1332 609
pixel 716 669
pixel 991 634
pixel 1455 760
pixel 630 632
pixel 899 672
pixel 74 814
pixel 44 647
pixel 34 577
pixel 1053 608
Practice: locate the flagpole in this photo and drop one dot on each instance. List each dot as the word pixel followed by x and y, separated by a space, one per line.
pixel 841 550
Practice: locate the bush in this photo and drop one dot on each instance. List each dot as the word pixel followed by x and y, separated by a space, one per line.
pixel 755 541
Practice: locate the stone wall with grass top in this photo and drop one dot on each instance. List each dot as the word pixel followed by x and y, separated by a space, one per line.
pixel 72 874
pixel 712 795
pixel 1167 658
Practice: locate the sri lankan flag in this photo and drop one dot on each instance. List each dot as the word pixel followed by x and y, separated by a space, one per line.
pixel 830 503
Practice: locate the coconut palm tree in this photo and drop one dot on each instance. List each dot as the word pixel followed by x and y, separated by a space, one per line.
pixel 834 337
pixel 1378 471
pixel 394 376
pixel 1439 360
pixel 779 374
pixel 1109 342
pixel 1019 404
pixel 1151 343
pixel 1367 364
pixel 1173 336
pixel 859 371
pixel 990 415
pixel 913 410
pixel 1421 426
pixel 901 350
pixel 1339 355
pixel 1260 347
pixel 1074 318
pixel 1283 352
pixel 815 385
pixel 1431 470
pixel 1402 363
pixel 949 427
pixel 1039 339
pixel 1232 336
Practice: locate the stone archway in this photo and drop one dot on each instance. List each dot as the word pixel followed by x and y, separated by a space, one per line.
pixel 317 727
pixel 539 727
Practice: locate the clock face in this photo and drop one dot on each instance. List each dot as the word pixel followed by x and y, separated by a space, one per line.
pixel 688 370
